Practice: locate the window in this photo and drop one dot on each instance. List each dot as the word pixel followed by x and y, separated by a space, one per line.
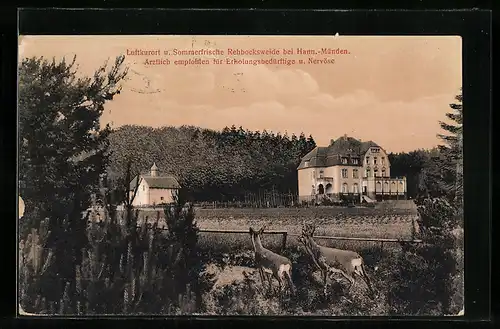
pixel 368 172
pixel 345 188
pixel 378 187
pixel 344 160
pixel 367 160
pixel 386 187
pixel 161 198
pixel 344 173
pixel 355 188
pixel 355 161
pixel 383 172
pixel 375 160
pixel 355 173
pixel 321 173
pixel 376 172
pixel 375 150
pixel 383 161
pixel 306 164
pixel 321 189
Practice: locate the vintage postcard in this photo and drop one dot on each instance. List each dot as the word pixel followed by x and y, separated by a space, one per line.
pixel 240 175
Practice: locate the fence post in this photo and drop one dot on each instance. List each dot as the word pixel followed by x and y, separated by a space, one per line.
pixel 283 246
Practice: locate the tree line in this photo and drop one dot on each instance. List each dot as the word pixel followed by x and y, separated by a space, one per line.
pixel 212 165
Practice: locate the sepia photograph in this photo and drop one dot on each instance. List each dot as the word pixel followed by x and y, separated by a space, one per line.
pixel 231 175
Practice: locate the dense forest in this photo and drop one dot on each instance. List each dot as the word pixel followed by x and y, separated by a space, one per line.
pixel 212 165
pixel 234 162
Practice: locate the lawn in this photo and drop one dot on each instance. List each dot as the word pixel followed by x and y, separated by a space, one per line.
pixel 393 223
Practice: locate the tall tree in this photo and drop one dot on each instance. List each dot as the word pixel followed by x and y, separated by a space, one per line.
pixel 62 149
pixel 452 152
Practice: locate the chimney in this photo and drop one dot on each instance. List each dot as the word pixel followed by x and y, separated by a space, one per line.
pixel 154 170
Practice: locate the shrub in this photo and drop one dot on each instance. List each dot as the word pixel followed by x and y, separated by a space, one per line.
pixel 124 269
pixel 423 276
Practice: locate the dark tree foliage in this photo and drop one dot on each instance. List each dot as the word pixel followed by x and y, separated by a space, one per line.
pixel 452 153
pixel 429 273
pixel 186 272
pixel 425 272
pixel 412 165
pixel 62 149
pixel 213 165
pixel 437 172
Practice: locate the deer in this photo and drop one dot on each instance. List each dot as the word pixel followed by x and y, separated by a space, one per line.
pixel 271 264
pixel 331 260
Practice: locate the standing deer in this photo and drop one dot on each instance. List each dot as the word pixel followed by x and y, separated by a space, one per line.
pixel 331 260
pixel 271 264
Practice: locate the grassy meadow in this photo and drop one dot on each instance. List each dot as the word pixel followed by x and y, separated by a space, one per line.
pixel 386 223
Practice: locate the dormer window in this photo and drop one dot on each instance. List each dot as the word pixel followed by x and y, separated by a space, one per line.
pixel 344 160
pixel 375 150
pixel 306 163
pixel 355 161
pixel 321 173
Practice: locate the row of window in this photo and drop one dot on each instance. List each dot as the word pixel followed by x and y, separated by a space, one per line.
pixel 355 173
pixel 368 173
pixel 353 161
pixel 375 160
pixel 376 173
pixel 356 161
pixel 345 188
pixel 355 188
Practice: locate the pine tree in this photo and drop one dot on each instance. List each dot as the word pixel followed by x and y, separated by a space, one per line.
pixel 452 153
pixel 62 150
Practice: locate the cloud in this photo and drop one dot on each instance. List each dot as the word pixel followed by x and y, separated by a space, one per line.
pixel 255 83
pixel 355 100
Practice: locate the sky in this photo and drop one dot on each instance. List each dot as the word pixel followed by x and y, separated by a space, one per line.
pixel 393 90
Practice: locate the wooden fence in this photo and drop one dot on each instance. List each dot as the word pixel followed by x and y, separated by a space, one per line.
pixel 262 199
pixel 285 235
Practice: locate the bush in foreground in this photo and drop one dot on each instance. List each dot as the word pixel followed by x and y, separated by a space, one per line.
pixel 427 275
pixel 125 269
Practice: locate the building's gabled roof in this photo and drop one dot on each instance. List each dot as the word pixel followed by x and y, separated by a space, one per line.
pixel 331 155
pixel 157 182
pixel 365 146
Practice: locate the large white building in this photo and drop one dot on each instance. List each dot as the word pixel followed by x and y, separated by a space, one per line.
pixel 348 167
